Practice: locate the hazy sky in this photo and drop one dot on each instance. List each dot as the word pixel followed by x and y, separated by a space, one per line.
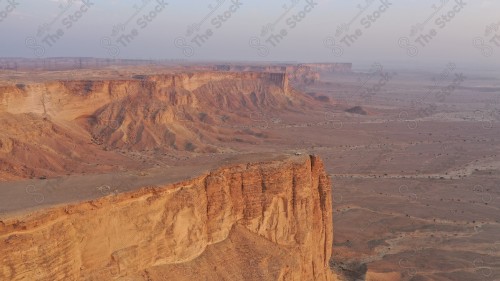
pixel 362 31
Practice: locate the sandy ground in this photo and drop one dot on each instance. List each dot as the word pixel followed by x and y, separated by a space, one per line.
pixel 23 196
pixel 416 180
pixel 416 190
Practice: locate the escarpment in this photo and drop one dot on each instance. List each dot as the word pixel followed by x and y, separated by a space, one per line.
pixel 185 112
pixel 130 112
pixel 71 98
pixel 299 73
pixel 330 67
pixel 259 221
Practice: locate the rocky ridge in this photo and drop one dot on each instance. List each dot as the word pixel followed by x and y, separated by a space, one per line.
pixel 278 210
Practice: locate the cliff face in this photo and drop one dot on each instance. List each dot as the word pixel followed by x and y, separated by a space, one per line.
pixel 296 73
pixel 70 99
pixel 188 112
pixel 330 67
pixel 261 221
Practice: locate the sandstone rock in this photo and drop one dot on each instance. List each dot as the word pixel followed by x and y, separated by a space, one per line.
pixel 258 221
pixel 80 119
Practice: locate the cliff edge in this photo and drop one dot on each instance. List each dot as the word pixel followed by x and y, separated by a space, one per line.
pixel 52 125
pixel 267 220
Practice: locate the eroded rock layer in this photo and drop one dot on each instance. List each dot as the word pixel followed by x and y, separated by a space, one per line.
pixel 261 221
pixel 81 118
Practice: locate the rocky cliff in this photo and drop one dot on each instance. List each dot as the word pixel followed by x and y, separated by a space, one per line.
pixel 330 67
pixel 52 115
pixel 260 221
pixel 306 73
pixel 295 73
pixel 70 98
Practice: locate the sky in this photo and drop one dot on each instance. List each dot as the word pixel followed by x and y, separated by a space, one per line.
pixel 359 31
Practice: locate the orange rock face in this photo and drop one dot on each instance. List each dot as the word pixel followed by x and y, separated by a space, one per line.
pixel 258 221
pixel 45 118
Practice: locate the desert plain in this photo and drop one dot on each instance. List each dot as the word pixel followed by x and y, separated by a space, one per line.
pixel 413 157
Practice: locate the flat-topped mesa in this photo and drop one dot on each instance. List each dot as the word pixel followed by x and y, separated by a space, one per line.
pixel 191 81
pixel 171 231
pixel 330 67
pixel 326 67
pixel 293 72
pixel 251 68
pixel 67 95
pixel 187 80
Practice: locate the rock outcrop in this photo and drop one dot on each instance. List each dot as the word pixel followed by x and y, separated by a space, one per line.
pixel 330 67
pixel 46 117
pixel 306 73
pixel 260 221
pixel 296 73
pixel 69 99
